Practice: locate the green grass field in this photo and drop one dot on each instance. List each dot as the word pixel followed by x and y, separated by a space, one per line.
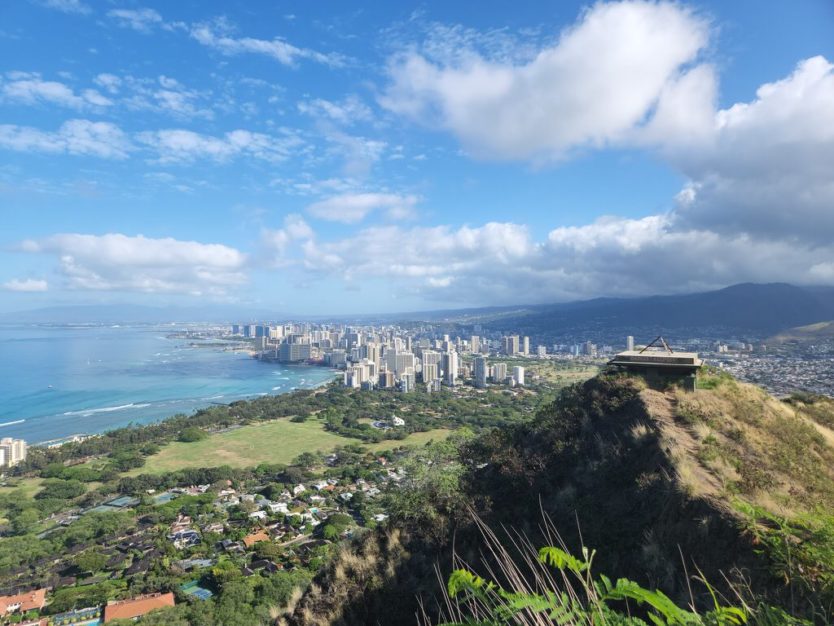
pixel 29 487
pixel 414 439
pixel 278 441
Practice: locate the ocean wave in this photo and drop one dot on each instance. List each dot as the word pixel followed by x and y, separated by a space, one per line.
pixel 107 409
pixel 12 423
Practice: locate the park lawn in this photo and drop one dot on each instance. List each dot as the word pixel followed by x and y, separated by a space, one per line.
pixel 561 375
pixel 277 441
pixel 29 487
pixel 413 440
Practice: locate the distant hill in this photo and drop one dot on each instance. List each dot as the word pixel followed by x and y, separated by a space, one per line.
pixel 821 331
pixel 745 308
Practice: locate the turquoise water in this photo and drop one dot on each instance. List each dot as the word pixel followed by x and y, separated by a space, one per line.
pixel 61 381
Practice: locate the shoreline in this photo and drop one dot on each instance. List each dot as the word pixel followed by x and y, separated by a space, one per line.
pixel 210 401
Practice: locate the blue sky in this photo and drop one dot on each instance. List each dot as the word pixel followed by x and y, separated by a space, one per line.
pixel 325 158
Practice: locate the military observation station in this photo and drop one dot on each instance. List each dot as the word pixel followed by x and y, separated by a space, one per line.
pixel 660 365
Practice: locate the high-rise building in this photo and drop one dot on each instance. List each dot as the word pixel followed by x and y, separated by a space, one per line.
pixel 293 352
pixel 481 371
pixel 475 344
pixel 509 345
pixel 407 382
pixel 499 372
pixel 450 368
pixel 518 375
pixel 429 372
pixel 541 351
pixel 386 379
pixel 629 343
pixel 12 451
pixel 525 346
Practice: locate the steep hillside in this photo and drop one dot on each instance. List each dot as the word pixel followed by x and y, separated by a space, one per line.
pixel 821 331
pixel 727 481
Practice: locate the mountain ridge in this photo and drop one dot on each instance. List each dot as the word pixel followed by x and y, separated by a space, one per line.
pixel 760 309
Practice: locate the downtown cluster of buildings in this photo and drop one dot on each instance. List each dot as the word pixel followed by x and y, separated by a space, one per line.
pixel 12 452
pixel 393 358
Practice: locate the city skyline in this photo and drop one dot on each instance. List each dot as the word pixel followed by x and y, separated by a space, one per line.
pixel 317 159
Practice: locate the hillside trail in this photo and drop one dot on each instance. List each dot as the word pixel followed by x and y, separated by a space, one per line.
pixel 681 445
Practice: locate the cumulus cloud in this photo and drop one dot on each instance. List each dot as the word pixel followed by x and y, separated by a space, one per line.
pixel 504 263
pixel 626 53
pixel 218 36
pixel 182 146
pixel 77 137
pixel 32 89
pixel 354 207
pixel 117 262
pixel 764 167
pixel 140 20
pixel 25 285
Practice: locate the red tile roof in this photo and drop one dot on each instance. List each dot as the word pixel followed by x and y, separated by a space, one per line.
pixel 126 609
pixel 27 601
pixel 251 540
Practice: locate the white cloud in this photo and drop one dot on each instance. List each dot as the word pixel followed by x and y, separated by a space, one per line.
pixel 140 20
pixel 117 262
pixel 166 95
pixel 765 166
pixel 358 153
pixel 354 207
pixel 349 111
pixel 502 263
pixel 217 35
pixel 109 82
pixel 178 145
pixel 31 89
pixel 67 6
pixel 26 285
pixel 591 88
pixel 78 137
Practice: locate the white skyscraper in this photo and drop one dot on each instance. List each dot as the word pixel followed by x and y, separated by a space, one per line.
pixel 429 372
pixel 525 345
pixel 518 375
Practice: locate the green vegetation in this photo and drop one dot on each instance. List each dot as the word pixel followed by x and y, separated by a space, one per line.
pixel 578 599
pixel 191 434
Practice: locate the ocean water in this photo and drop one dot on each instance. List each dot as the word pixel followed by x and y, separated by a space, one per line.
pixel 58 381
